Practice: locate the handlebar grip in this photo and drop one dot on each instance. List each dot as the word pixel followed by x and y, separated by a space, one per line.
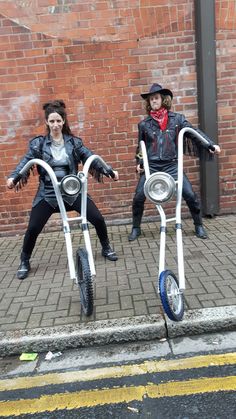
pixel 17 178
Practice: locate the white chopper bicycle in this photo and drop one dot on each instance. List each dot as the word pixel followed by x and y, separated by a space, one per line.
pixel 159 188
pixel 83 271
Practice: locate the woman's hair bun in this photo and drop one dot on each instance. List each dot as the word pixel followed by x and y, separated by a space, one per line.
pixel 58 103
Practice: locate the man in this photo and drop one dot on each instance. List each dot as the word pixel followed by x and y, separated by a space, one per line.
pixel 159 130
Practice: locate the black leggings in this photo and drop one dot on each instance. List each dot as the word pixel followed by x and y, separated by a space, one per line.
pixel 41 213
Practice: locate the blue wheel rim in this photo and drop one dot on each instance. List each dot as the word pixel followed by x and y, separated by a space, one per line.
pixel 172 299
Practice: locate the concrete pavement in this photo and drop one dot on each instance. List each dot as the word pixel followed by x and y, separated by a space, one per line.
pixel 43 312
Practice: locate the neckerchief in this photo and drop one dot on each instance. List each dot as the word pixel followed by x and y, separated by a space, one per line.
pixel 161 116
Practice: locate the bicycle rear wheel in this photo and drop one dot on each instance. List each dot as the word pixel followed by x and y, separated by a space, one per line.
pixel 85 282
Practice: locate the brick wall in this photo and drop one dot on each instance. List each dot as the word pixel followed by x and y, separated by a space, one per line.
pixel 226 83
pixel 99 56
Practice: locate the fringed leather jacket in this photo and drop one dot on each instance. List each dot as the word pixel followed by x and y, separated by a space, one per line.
pixel 39 147
pixel 162 145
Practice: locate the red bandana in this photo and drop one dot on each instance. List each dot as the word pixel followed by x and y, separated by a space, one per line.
pixel 161 116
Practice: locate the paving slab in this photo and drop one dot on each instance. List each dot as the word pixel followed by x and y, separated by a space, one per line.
pixel 125 290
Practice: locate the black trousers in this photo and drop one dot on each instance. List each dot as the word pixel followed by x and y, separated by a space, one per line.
pixel 41 213
pixel 189 196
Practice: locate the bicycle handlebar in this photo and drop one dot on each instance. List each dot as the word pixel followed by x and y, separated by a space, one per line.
pixel 89 161
pixel 51 173
pixel 180 144
pixel 196 134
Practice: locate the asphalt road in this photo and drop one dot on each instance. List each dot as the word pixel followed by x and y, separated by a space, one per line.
pixel 192 407
pixel 149 380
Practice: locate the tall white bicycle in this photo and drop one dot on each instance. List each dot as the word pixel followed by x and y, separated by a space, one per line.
pixel 160 188
pixel 82 271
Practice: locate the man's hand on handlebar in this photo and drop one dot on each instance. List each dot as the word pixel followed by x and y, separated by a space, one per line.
pixel 139 169
pixel 216 150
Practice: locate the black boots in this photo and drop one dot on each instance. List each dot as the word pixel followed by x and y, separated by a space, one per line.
pixel 24 267
pixel 108 252
pixel 200 231
pixel 135 233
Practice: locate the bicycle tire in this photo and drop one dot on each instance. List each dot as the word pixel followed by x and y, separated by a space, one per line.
pixel 85 282
pixel 172 300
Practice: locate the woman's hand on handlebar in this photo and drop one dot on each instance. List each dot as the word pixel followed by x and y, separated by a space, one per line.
pixel 116 175
pixel 10 183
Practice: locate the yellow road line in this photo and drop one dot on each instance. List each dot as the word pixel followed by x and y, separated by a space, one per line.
pixel 91 398
pixel 118 371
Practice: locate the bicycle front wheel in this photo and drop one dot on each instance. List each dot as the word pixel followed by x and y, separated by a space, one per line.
pixel 85 281
pixel 171 297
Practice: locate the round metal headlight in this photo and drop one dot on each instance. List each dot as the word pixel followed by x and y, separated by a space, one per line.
pixel 160 187
pixel 70 185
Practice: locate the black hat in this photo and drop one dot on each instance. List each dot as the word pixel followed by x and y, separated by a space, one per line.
pixel 157 88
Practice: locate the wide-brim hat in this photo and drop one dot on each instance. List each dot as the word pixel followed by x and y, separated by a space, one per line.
pixel 157 88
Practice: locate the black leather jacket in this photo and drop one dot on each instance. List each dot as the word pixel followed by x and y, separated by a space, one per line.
pixel 39 147
pixel 162 145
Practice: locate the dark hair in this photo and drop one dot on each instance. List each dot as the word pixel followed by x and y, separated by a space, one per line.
pixel 166 103
pixel 59 107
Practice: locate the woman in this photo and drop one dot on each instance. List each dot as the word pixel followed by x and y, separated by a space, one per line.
pixel 63 152
pixel 160 131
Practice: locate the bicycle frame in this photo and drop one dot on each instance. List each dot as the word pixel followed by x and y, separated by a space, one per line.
pixel 177 218
pixel 83 178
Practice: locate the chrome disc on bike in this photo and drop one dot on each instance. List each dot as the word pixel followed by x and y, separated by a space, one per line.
pixel 85 282
pixel 171 297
